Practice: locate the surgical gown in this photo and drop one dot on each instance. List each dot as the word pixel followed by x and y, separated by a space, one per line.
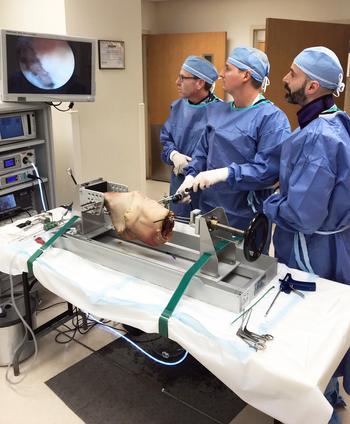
pixel 181 132
pixel 248 141
pixel 315 196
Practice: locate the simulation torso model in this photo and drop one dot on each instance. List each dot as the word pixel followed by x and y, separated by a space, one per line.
pixel 136 217
pixel 247 141
pixel 181 132
pixel 313 204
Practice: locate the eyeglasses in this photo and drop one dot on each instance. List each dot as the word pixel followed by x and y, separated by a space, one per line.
pixel 182 77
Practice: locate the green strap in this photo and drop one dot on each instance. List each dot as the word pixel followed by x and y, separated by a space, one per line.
pixel 40 251
pixel 175 298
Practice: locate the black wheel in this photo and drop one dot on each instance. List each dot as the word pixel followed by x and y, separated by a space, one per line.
pixel 255 237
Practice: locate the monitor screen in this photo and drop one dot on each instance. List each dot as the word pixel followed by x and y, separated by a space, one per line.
pixel 11 126
pixel 42 67
pixel 7 202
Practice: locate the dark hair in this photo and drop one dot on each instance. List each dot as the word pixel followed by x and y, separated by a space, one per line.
pixel 256 84
pixel 207 86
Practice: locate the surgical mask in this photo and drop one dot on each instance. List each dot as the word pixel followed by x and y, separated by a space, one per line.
pixel 265 84
pixel 341 86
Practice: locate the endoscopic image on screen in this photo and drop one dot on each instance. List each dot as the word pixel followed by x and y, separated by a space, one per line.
pixel 38 65
pixel 45 63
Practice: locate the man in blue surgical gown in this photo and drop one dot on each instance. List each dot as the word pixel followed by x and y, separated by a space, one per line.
pixel 237 158
pixel 182 130
pixel 312 210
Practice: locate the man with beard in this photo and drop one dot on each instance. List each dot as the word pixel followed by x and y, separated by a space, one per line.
pixel 312 210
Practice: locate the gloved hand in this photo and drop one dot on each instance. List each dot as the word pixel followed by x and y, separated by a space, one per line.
pixel 187 184
pixel 180 161
pixel 208 178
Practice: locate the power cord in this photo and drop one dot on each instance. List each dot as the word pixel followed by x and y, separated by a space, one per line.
pixel 78 326
pixel 135 345
pixel 50 306
pixel 70 106
pixel 27 329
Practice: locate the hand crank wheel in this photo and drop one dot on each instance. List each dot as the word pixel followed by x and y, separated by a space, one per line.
pixel 255 237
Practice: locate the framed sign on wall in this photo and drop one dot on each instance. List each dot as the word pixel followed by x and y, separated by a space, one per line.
pixel 111 54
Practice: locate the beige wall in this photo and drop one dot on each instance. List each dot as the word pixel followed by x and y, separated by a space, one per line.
pixel 239 17
pixel 111 129
pixel 33 15
pixel 149 16
pixel 105 138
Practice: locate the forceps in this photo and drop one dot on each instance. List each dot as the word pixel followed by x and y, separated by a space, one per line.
pixel 254 340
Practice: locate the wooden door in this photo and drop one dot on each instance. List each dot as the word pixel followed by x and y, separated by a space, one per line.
pixel 165 53
pixel 286 38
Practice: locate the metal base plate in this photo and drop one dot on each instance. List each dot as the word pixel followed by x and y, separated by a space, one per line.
pixel 236 285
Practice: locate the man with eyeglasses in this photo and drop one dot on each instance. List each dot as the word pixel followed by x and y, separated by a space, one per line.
pixel 237 158
pixel 187 120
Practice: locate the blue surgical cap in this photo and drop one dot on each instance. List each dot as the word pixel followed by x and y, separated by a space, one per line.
pixel 321 64
pixel 250 59
pixel 201 68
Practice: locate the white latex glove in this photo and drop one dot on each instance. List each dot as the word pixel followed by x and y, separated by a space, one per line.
pixel 180 161
pixel 208 178
pixel 187 184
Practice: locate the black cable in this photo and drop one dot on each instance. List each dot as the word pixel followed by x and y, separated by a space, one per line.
pixel 112 361
pixel 65 333
pixel 78 326
pixel 77 321
pixel 91 324
pixel 68 207
pixel 70 106
pixel 52 103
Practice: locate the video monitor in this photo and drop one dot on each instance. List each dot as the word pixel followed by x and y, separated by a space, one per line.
pixel 44 68
pixel 7 202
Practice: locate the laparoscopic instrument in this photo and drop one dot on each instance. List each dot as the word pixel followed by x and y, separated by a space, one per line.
pixel 288 285
pixel 177 197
